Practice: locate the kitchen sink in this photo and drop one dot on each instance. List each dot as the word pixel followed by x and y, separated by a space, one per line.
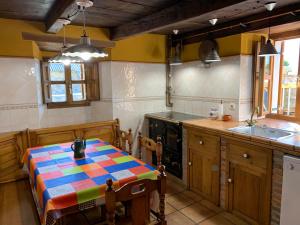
pixel 262 131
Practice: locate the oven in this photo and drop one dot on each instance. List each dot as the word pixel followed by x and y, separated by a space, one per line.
pixel 171 134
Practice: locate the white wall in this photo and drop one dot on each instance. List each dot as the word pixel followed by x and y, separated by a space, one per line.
pixel 128 91
pixel 197 88
pixel 136 89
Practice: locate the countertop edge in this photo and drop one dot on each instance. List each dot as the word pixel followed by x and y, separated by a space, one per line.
pixel 272 144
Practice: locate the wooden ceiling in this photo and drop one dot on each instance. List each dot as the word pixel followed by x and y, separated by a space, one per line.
pixel 131 17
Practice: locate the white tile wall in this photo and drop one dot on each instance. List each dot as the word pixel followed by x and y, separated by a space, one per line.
pixel 128 91
pixel 197 88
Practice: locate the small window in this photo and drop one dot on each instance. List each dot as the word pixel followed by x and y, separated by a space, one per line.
pixel 74 85
pixel 277 83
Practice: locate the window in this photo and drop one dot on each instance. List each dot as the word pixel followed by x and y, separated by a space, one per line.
pixel 277 81
pixel 74 85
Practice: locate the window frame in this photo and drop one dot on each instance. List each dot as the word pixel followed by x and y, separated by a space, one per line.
pixel 259 74
pixel 91 82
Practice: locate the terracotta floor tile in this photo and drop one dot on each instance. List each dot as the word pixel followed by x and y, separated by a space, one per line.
pixel 233 219
pixel 177 218
pixel 169 209
pixel 173 188
pixel 179 201
pixel 216 220
pixel 192 195
pixel 211 206
pixel 197 212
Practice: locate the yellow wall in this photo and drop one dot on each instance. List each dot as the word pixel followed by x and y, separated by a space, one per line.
pixel 143 48
pixel 228 46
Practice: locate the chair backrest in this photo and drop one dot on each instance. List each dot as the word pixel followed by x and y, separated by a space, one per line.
pixel 138 193
pixel 149 146
pixel 124 139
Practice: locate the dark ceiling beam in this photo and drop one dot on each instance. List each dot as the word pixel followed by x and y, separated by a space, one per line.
pixel 60 9
pixel 180 12
pixel 279 16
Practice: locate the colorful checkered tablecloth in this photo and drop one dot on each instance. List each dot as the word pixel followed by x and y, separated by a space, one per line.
pixel 59 181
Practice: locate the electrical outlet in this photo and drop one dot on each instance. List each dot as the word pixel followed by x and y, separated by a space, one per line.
pixel 232 106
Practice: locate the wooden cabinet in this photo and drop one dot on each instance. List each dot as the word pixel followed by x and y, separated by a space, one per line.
pixel 249 181
pixel 204 165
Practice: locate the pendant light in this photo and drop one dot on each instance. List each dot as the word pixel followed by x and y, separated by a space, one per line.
pixel 60 58
pixel 84 49
pixel 176 59
pixel 212 56
pixel 268 48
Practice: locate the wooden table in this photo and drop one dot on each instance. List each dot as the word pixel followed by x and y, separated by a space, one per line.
pixel 62 185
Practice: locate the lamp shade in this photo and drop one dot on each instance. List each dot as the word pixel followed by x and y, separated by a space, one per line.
pixel 212 56
pixel 85 50
pixel 66 60
pixel 175 61
pixel 268 49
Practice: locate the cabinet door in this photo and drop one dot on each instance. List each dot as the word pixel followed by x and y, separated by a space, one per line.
pixel 204 175
pixel 248 194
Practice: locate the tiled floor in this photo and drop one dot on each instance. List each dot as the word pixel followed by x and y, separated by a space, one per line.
pixel 186 208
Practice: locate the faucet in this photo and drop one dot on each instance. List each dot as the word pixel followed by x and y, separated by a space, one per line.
pixel 251 122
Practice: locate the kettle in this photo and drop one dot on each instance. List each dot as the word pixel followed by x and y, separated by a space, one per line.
pixel 78 147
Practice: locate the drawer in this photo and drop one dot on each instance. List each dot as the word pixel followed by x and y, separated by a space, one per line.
pixel 249 155
pixel 203 142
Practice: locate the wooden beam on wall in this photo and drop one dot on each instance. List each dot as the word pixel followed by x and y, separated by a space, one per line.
pixel 70 41
pixel 60 9
pixel 286 35
pixel 180 12
pixel 284 15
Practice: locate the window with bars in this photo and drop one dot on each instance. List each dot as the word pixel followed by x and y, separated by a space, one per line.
pixel 74 85
pixel 277 81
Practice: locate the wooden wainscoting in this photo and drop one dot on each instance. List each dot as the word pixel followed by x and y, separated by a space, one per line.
pixel 12 147
pixel 106 130
pixel 14 144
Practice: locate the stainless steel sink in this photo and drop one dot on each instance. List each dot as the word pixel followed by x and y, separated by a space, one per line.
pixel 265 132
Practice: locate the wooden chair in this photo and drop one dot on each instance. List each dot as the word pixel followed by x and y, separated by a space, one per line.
pixel 124 138
pixel 149 146
pixel 137 194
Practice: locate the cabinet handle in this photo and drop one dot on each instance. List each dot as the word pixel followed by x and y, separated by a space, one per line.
pixel 190 163
pixel 156 125
pixel 229 180
pixel 292 167
pixel 200 142
pixel 245 156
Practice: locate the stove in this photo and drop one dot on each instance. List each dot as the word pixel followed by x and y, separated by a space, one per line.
pixel 168 125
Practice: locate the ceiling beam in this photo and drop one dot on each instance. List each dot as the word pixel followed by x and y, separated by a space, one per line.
pixel 60 9
pixel 287 34
pixel 180 12
pixel 59 40
pixel 278 16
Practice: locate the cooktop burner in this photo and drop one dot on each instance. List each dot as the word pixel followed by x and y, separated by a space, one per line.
pixel 173 116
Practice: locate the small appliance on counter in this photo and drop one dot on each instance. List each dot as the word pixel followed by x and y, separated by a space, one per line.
pixel 168 125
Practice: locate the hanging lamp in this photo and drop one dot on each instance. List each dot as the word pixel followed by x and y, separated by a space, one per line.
pixel 212 56
pixel 176 59
pixel 84 49
pixel 268 49
pixel 60 58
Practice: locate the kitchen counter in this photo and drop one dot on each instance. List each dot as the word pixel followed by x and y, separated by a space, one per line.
pixel 290 144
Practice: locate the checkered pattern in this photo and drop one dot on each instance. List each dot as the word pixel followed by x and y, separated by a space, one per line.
pixel 60 181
